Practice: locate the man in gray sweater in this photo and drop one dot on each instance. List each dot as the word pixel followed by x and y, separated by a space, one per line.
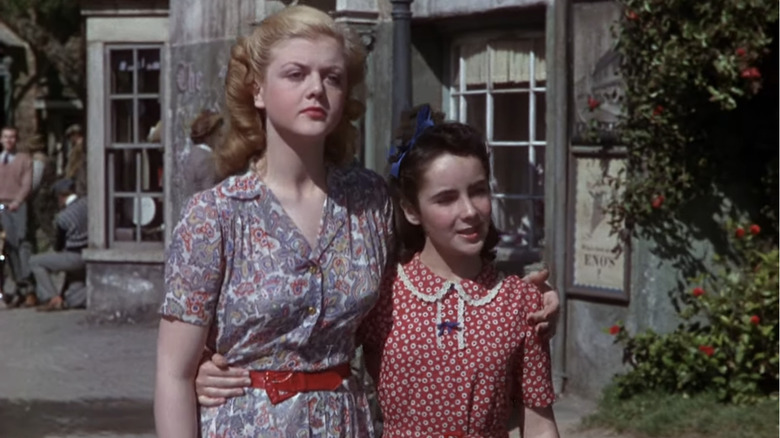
pixel 71 224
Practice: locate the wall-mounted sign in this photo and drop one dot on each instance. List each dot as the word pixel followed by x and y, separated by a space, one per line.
pixel 598 259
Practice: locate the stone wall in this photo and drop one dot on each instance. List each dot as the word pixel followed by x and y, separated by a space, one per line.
pixel 201 35
pixel 124 290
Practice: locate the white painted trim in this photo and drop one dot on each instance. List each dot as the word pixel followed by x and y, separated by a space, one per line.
pixel 124 255
pixel 166 113
pixel 450 8
pixel 127 29
pixel 96 175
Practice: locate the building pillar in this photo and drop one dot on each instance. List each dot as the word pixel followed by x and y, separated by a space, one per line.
pixel 557 26
pixel 402 65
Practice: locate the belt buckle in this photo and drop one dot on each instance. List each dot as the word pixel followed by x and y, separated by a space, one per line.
pixel 272 391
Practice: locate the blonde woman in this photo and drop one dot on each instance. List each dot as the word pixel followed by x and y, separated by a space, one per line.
pixel 276 266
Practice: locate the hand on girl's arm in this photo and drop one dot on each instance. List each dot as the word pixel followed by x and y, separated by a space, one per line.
pixel 545 321
pixel 216 381
pixel 179 347
pixel 539 423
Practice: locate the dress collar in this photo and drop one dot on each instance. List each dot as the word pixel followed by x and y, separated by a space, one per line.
pixel 481 289
pixel 245 186
pixel 249 185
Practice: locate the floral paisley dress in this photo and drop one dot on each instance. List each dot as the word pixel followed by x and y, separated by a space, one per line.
pixel 239 264
pixel 453 354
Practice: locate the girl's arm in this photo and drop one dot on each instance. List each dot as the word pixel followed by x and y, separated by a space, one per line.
pixel 534 373
pixel 539 423
pixel 179 348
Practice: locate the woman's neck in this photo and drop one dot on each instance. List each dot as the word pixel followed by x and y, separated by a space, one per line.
pixel 294 169
pixel 451 266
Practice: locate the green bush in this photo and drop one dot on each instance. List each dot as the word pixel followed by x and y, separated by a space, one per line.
pixel 687 66
pixel 727 342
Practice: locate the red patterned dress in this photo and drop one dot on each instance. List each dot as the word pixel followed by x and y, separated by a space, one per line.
pixel 453 354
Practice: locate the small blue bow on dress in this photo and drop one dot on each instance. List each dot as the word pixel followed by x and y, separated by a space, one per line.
pixel 449 326
pixel 424 121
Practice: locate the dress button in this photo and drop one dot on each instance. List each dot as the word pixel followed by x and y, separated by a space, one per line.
pixel 313 269
pixel 312 310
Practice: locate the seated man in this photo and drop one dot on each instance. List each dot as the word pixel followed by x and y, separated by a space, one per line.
pixel 71 229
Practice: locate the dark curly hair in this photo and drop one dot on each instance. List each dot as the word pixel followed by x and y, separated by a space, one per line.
pixel 442 138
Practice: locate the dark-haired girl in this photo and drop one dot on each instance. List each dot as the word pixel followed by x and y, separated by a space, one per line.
pixel 448 342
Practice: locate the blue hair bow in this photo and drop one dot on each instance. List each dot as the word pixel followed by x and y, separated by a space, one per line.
pixel 424 121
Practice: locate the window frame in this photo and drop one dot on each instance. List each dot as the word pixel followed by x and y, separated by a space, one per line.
pixel 455 102
pixel 111 147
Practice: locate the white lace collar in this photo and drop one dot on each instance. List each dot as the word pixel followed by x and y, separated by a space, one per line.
pixel 463 298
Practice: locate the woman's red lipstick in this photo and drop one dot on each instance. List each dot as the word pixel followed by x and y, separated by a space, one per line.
pixel 315 113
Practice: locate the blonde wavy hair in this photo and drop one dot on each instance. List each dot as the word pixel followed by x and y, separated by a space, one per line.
pixel 249 60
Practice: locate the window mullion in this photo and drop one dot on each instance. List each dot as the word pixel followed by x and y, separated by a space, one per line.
pixel 532 138
pixel 489 96
pixel 462 88
pixel 137 199
pixel 111 198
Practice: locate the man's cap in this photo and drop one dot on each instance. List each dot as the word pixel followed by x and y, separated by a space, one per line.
pixel 63 186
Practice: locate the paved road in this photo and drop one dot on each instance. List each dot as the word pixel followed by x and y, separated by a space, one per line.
pixel 63 375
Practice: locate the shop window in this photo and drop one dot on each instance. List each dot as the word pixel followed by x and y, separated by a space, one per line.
pixel 498 84
pixel 134 151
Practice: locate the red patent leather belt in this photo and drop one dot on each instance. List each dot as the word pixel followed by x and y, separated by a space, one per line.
pixel 281 385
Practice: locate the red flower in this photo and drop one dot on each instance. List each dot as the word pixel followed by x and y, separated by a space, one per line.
pixel 755 320
pixel 751 73
pixel 631 15
pixel 593 103
pixel 615 329
pixel 697 292
pixel 755 229
pixel 658 201
pixel 739 233
pixel 658 110
pixel 706 349
pixel 741 52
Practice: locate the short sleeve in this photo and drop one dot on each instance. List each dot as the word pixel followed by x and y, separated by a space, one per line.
pixel 533 373
pixel 195 263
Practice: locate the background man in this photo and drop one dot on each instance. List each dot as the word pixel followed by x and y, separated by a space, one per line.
pixel 15 184
pixel 71 223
